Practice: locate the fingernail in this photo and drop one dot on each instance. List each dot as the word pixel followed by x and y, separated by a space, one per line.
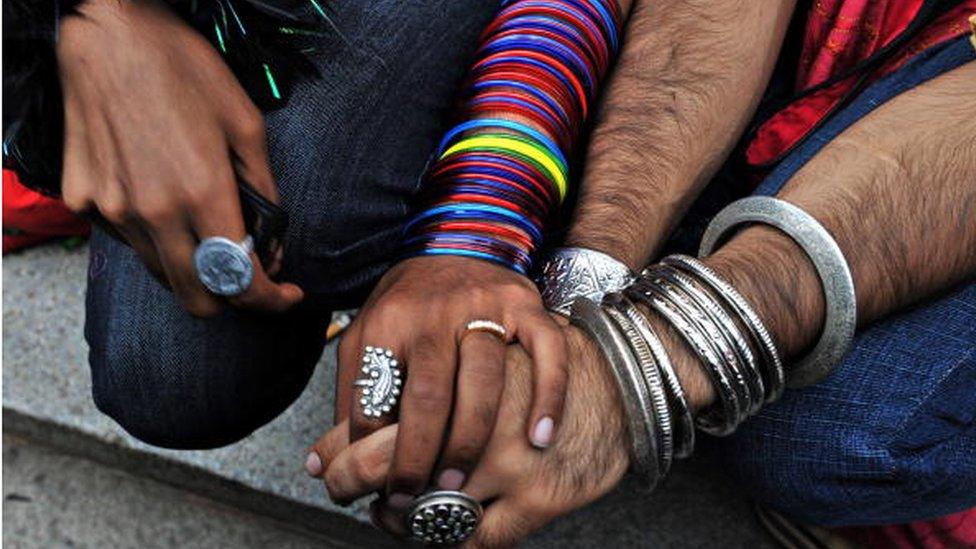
pixel 450 479
pixel 313 464
pixel 399 501
pixel 542 434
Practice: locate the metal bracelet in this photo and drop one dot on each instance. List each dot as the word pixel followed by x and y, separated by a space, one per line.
pixel 591 318
pixel 773 376
pixel 840 320
pixel 614 305
pixel 728 360
pixel 723 328
pixel 728 407
pixel 685 426
pixel 569 273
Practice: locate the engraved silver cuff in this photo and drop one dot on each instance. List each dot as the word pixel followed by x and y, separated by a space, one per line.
pixel 569 273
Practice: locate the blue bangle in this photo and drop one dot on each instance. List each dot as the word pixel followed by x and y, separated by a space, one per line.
pixel 543 96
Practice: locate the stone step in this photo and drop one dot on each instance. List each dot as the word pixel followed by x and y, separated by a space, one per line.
pixel 46 397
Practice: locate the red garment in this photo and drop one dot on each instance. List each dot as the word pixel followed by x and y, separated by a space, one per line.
pixel 839 35
pixel 31 218
pixel 956 531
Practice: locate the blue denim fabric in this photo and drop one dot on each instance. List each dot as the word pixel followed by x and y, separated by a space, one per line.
pixel 891 435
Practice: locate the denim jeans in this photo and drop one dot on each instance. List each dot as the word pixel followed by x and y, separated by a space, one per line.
pixel 889 437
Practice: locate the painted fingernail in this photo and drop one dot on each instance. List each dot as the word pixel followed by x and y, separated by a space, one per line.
pixel 542 434
pixel 450 479
pixel 399 501
pixel 313 464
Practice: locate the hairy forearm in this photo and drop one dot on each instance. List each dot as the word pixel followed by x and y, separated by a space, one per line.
pixel 688 79
pixel 898 193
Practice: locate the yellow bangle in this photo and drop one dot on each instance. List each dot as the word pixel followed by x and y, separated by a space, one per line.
pixel 514 145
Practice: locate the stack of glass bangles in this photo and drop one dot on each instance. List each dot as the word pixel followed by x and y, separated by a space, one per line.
pixel 501 171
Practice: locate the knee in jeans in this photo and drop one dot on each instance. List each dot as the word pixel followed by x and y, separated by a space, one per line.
pixel 184 402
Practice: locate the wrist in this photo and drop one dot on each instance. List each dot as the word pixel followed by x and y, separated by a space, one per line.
pixel 776 277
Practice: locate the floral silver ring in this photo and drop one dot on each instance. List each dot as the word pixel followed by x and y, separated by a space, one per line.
pixel 380 382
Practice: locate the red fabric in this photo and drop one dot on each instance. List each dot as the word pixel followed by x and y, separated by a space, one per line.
pixel 31 218
pixel 956 531
pixel 839 35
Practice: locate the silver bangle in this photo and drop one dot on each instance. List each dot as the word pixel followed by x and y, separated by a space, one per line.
pixel 569 273
pixel 840 320
pixel 728 407
pixel 685 427
pixel 614 306
pixel 710 333
pixel 591 318
pixel 774 378
pixel 724 330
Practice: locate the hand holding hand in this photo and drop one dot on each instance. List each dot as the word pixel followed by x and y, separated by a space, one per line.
pixel 526 488
pixel 453 377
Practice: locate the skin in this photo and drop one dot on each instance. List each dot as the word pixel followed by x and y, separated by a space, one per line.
pixel 162 191
pixel 895 190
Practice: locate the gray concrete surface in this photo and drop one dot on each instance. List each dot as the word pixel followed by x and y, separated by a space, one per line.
pixel 46 397
pixel 54 500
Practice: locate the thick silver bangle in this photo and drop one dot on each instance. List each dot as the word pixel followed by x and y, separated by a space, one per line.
pixel 635 327
pixel 724 330
pixel 591 318
pixel 569 273
pixel 840 320
pixel 728 410
pixel 774 378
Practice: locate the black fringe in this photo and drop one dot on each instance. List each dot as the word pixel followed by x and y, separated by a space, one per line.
pixel 266 46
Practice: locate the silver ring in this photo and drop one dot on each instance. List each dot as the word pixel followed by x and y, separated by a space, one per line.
pixel 488 327
pixel 443 517
pixel 840 320
pixel 380 381
pixel 223 266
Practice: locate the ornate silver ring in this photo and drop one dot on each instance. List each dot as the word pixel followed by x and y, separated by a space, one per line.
pixel 223 266
pixel 443 517
pixel 380 381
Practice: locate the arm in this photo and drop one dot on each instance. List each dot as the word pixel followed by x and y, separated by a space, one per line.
pixel 124 71
pixel 689 77
pixel 895 190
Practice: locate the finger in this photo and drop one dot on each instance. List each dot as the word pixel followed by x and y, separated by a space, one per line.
pixel 249 148
pixel 481 378
pixel 217 212
pixel 546 345
pixel 424 412
pixel 326 448
pixel 386 518
pixel 175 246
pixel 504 524
pixel 376 398
pixel 348 370
pixel 362 468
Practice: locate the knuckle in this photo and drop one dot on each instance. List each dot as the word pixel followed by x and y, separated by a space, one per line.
pixel 364 467
pixel 334 482
pixel 464 453
pixel 76 198
pixel 426 391
pixel 114 211
pixel 250 124
pixel 408 474
pixel 202 308
pixel 155 212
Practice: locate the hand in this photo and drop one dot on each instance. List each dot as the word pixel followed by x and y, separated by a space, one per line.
pixel 156 127
pixel 419 310
pixel 527 488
